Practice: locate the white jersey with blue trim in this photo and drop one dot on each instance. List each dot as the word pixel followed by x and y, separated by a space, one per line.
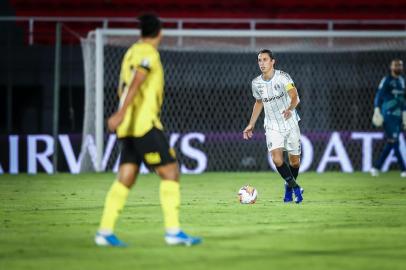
pixel 275 97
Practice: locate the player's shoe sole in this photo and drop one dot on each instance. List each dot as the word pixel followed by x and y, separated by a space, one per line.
pixel 182 239
pixel 108 241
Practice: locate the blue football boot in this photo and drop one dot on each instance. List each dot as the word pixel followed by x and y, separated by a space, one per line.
pixel 298 194
pixel 288 194
pixel 181 238
pixel 108 240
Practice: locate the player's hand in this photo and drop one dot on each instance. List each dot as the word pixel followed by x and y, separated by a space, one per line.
pixel 114 121
pixel 247 133
pixel 287 114
pixel 377 118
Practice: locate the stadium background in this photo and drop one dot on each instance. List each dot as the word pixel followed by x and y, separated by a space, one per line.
pixel 336 88
pixel 347 220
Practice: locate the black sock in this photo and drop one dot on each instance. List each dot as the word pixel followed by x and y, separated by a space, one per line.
pixel 295 171
pixel 286 174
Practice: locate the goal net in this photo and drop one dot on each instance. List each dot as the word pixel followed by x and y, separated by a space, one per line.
pixel 208 98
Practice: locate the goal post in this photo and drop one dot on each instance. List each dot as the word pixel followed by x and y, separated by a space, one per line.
pixel 99 116
pixel 103 50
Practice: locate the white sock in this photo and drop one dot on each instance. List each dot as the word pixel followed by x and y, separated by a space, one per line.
pixel 172 231
pixel 105 232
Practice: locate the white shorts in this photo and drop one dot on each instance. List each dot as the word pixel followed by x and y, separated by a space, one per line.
pixel 288 140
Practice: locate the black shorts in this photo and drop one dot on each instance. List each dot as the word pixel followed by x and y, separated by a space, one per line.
pixel 152 149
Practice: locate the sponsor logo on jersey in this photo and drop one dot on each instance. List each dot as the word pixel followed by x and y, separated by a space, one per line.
pixel 273 98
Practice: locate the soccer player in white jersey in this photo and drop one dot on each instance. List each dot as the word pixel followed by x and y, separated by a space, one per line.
pixel 276 93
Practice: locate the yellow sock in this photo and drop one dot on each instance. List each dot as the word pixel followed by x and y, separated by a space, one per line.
pixel 169 194
pixel 115 201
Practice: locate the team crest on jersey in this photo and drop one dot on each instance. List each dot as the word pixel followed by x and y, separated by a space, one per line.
pixel 277 89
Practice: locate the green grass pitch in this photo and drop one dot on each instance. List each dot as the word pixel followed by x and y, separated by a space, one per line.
pixel 347 221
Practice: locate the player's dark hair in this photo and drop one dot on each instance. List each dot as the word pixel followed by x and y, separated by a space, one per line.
pixel 266 51
pixel 150 25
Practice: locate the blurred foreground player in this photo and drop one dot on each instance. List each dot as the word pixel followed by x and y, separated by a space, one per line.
pixel 139 131
pixel 275 91
pixel 390 112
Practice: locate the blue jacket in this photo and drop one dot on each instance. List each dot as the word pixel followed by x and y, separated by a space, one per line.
pixel 390 96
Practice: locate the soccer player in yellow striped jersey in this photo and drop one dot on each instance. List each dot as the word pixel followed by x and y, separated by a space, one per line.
pixel 140 134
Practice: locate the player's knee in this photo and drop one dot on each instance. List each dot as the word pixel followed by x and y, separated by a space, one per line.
pixel 169 172
pixel 391 141
pixel 278 161
pixel 127 179
pixel 174 175
pixel 295 163
pixel 127 174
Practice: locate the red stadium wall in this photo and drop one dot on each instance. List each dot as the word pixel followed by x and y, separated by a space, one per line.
pixel 238 9
pixel 310 9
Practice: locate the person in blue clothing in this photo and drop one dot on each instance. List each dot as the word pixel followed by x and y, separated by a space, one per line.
pixel 390 112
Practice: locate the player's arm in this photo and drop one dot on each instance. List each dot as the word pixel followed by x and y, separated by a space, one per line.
pixel 256 111
pixel 294 101
pixel 115 120
pixel 379 93
pixel 377 118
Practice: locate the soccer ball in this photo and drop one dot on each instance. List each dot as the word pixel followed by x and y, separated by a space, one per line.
pixel 247 195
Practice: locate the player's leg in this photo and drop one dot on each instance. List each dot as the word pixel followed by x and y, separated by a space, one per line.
pixel 117 195
pixel 293 147
pixel 397 127
pixel 277 158
pixel 294 165
pixel 169 194
pixel 382 157
pixel 283 169
pixel 114 204
pixel 400 159
pixel 276 145
pixel 390 141
pixel 166 166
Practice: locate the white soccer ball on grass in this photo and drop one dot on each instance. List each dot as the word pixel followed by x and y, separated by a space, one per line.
pixel 247 194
